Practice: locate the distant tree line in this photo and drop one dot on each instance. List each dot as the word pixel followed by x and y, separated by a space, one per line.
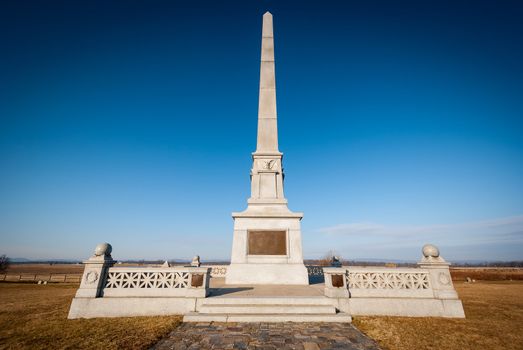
pixel 491 264
pixel 4 263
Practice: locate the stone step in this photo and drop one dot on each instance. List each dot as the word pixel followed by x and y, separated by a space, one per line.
pixel 319 300
pixel 273 318
pixel 266 309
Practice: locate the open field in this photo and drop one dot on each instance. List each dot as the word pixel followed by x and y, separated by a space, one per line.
pixel 41 268
pixel 35 317
pixel 494 312
pixel 487 273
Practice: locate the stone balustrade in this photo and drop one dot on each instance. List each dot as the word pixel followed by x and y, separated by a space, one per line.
pixel 156 282
pixel 314 271
pixel 423 291
pixel 109 291
pixel 217 270
pixel 360 281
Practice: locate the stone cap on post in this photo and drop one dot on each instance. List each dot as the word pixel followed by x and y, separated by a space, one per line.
pixel 95 271
pixel 431 257
pixel 102 255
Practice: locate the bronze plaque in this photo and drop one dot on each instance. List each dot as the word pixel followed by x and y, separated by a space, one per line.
pixel 337 281
pixel 267 243
pixel 197 280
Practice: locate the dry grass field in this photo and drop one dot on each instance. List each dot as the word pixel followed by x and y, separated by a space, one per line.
pixel 494 320
pixel 35 317
pixel 45 268
pixel 487 273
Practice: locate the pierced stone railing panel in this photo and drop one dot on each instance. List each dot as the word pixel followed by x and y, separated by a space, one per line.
pixel 217 270
pixel 120 279
pixel 392 282
pixel 389 282
pixel 314 271
pixel 151 281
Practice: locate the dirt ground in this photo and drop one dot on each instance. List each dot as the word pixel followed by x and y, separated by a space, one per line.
pixel 494 320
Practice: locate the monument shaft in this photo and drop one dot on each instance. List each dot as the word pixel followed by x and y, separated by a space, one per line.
pixel 267 236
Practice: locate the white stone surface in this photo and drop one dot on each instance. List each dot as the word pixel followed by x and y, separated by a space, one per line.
pixel 267 207
pixel 430 250
pixel 155 282
pixel 93 277
pixel 274 273
pixel 103 249
pixel 335 292
pixel 406 307
pixel 266 309
pixel 261 300
pixel 423 291
pixel 107 291
pixel 129 307
pixel 271 318
pixel 196 261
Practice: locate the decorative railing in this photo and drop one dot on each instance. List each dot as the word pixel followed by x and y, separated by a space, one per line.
pixel 122 279
pixel 358 281
pixel 315 271
pixel 364 281
pixel 217 270
pixel 162 281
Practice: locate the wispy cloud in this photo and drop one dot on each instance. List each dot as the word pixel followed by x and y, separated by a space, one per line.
pixel 496 239
pixel 505 229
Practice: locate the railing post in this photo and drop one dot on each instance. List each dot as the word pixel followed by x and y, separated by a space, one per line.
pixel 199 283
pixel 336 282
pixel 439 273
pixel 95 270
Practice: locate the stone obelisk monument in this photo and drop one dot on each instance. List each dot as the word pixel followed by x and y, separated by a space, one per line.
pixel 266 245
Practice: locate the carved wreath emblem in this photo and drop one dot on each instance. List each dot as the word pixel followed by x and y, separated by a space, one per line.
pixel 443 279
pixel 91 277
pixel 268 164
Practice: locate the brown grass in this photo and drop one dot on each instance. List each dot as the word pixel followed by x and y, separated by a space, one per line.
pixel 487 273
pixel 494 320
pixel 35 317
pixel 40 268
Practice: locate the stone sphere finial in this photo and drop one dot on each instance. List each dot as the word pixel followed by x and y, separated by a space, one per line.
pixel 196 261
pixel 430 251
pixel 103 249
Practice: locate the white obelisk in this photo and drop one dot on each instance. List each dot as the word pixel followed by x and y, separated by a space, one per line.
pixel 266 245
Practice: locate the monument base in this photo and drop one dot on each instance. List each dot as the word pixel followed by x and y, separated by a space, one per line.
pixel 267 274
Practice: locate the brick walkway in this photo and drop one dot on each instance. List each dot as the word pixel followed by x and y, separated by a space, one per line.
pixel 266 336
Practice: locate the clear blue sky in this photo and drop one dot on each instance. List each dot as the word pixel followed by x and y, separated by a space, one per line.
pixel 132 122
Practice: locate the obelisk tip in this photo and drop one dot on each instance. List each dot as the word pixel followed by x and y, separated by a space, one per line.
pixel 267 25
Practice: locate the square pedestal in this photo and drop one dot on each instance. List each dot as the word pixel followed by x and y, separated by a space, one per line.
pixel 267 249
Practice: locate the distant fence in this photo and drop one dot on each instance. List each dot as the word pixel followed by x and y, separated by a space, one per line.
pixel 48 277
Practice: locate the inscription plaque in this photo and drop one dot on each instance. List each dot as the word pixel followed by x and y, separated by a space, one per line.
pixel 197 280
pixel 267 243
pixel 337 281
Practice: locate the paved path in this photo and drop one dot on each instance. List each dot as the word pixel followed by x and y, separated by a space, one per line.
pixel 266 336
